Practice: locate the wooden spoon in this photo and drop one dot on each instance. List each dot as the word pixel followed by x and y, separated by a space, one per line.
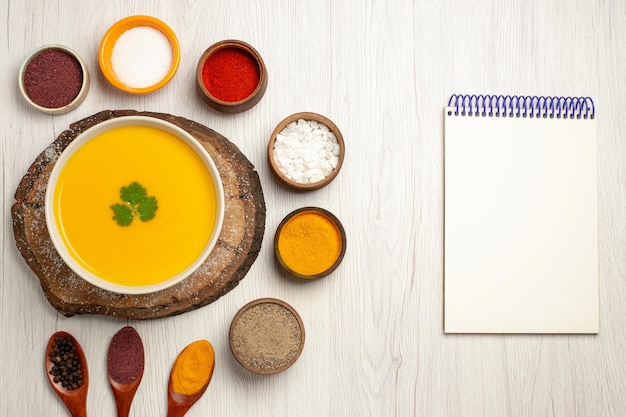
pixel 178 404
pixel 75 400
pixel 125 365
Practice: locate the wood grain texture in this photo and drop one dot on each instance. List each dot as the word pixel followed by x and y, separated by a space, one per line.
pixel 382 71
pixel 236 250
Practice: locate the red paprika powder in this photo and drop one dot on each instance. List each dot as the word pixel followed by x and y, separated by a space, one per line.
pixel 230 74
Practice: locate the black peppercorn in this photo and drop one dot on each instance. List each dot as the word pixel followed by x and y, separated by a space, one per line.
pixel 66 369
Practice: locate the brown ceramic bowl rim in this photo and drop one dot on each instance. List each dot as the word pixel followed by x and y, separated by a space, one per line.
pixel 82 93
pixel 330 216
pixel 232 106
pixel 266 300
pixel 297 186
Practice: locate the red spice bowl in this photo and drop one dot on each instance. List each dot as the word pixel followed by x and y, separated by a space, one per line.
pixel 53 79
pixel 231 76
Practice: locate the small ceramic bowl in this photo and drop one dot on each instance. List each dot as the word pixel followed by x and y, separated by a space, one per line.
pixel 69 103
pixel 112 35
pixel 281 175
pixel 266 336
pixel 169 228
pixel 209 94
pixel 328 230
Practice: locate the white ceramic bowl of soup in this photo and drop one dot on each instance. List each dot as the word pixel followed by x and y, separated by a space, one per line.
pixel 134 205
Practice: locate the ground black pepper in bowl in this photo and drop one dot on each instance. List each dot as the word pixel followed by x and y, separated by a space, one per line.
pixel 266 336
pixel 66 369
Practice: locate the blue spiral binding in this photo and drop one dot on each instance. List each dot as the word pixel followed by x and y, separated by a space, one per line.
pixel 521 106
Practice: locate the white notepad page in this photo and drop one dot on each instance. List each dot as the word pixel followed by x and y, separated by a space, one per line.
pixel 520 225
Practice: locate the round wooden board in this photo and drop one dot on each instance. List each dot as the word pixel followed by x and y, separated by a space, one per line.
pixel 238 245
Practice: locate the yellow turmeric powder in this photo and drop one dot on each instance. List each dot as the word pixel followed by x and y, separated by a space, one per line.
pixel 193 368
pixel 309 243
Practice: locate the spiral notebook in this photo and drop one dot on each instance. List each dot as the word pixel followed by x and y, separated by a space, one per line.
pixel 520 222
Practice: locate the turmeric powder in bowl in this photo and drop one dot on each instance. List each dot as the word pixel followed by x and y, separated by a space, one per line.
pixel 310 243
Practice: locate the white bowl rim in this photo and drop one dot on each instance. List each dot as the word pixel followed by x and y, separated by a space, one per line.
pixel 76 144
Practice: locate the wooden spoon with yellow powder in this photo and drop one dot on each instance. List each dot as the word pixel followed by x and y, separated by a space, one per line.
pixel 190 377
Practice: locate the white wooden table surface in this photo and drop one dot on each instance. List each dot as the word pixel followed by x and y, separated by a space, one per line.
pixel 382 71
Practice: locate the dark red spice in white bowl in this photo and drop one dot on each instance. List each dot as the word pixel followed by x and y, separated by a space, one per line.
pixel 54 79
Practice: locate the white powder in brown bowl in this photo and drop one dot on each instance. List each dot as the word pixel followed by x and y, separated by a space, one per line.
pixel 266 336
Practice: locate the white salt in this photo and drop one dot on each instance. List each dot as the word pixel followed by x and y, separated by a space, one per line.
pixel 306 151
pixel 141 57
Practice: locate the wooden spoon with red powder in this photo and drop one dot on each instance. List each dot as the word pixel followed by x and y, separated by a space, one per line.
pixel 125 364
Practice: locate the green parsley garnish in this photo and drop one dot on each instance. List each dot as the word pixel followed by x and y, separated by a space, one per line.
pixel 136 202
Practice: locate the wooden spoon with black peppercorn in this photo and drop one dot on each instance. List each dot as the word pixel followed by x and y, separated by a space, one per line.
pixel 66 368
